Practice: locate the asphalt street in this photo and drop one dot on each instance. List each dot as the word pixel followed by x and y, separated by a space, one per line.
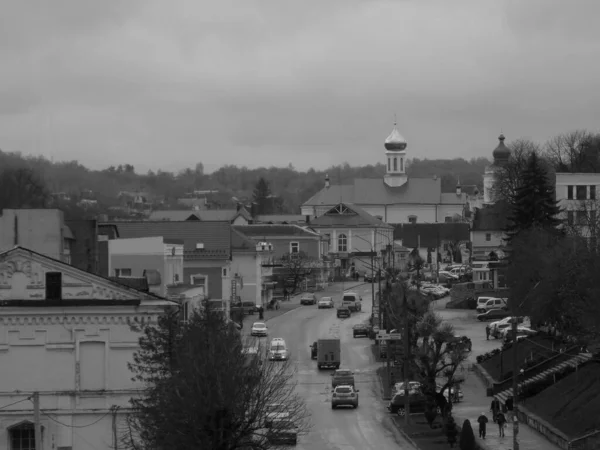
pixel 370 425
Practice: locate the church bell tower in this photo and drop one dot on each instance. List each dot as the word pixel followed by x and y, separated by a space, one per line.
pixel 395 152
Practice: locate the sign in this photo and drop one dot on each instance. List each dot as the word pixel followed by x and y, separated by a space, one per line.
pixel 233 289
pixel 391 337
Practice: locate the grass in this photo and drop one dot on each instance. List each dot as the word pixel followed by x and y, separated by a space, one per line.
pixel 573 404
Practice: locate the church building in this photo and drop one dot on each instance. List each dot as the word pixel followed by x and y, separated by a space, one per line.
pixel 501 155
pixel 395 198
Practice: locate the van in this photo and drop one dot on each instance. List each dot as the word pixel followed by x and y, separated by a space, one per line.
pixel 482 300
pixel 493 303
pixel 352 301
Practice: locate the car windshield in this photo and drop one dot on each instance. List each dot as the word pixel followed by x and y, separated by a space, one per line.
pixel 342 373
pixel 348 298
pixel 277 347
pixel 260 325
pixel 343 390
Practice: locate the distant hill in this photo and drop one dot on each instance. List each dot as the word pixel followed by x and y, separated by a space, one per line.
pixel 292 186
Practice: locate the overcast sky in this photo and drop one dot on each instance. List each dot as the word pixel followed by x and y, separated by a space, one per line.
pixel 166 84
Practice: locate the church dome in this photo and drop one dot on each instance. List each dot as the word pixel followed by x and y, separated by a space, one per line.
pixel 395 141
pixel 501 152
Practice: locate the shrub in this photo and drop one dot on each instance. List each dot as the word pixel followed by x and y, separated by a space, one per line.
pixel 467 438
pixel 451 431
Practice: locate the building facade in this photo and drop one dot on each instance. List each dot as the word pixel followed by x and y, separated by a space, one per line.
pixel 157 259
pixel 578 195
pixel 287 239
pixel 396 198
pixel 488 231
pixel 77 328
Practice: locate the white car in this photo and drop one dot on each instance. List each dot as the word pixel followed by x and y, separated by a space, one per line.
pixel 325 302
pixel 493 303
pixel 521 331
pixel 414 387
pixel 259 329
pixel 278 350
pixel 275 411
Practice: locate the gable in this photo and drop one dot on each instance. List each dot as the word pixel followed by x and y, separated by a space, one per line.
pixel 23 283
pixel 341 209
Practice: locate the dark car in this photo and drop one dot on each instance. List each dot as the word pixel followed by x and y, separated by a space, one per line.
pixel 343 312
pixel 417 403
pixel 342 377
pixel 308 299
pixel 493 314
pixel 360 330
pixel 313 350
pixel 462 341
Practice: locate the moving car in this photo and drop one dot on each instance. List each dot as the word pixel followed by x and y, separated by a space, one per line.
pixel 374 277
pixel 283 431
pixel 308 299
pixel 278 350
pixel 360 330
pixel 342 377
pixel 275 411
pixel 259 329
pixel 414 387
pixel 325 302
pixel 352 301
pixel 344 396
pixel 343 312
pixel 493 314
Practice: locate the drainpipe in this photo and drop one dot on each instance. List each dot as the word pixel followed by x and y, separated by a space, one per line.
pixel 16 229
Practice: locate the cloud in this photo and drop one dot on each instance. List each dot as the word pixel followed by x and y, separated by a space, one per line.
pixel 272 82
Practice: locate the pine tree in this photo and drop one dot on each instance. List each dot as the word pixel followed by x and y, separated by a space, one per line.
pixel 534 203
pixel 467 438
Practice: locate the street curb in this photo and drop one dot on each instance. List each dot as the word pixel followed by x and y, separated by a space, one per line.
pixel 483 375
pixel 407 437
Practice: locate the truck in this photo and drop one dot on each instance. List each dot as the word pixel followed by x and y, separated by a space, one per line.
pixel 329 353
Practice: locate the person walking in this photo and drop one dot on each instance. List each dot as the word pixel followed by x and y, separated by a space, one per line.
pixel 501 420
pixel 509 407
pixel 495 408
pixel 482 420
pixel 487 332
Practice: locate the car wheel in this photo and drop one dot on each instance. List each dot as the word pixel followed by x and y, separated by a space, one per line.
pixel 332 406
pixel 401 412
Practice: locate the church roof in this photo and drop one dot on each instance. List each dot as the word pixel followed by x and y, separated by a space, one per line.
pixel 374 191
pixel 450 198
pixel 348 215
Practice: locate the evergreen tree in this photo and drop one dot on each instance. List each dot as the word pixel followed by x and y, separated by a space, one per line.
pixel 262 197
pixel 467 438
pixel 534 202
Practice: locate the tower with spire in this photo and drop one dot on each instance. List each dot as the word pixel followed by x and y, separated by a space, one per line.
pixel 501 155
pixel 395 152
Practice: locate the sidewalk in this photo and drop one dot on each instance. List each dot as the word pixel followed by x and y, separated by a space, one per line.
pixel 475 402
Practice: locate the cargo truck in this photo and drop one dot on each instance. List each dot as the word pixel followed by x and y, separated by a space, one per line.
pixel 329 353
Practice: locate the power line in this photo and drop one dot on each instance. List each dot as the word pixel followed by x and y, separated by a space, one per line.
pixel 112 409
pixel 15 403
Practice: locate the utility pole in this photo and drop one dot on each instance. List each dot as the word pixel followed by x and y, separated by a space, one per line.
pixel 437 258
pixel 380 301
pixel 36 419
pixel 406 360
pixel 515 382
pixel 388 352
pixel 373 290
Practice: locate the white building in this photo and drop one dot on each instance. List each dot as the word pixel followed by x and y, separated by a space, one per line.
pixel 396 198
pixel 577 196
pixel 66 334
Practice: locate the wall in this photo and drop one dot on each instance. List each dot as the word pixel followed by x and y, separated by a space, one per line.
pixel 247 265
pixel 212 269
pixel 281 245
pixel 481 247
pixel 38 229
pixel 84 250
pixel 444 211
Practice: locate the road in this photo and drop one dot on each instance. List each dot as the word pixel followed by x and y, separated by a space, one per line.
pixel 367 427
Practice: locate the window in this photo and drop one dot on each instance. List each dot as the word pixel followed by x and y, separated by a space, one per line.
pixel 592 192
pixel 412 219
pixel 342 243
pixel 389 164
pixel 294 247
pixel 448 219
pixel 224 271
pixel 570 217
pixel 488 237
pixel 53 285
pixel 580 217
pixel 122 272
pixel 395 164
pixel 570 192
pixel 401 164
pixel 581 192
pixel 22 437
pixel 198 280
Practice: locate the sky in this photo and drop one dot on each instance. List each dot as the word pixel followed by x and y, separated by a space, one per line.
pixel 165 85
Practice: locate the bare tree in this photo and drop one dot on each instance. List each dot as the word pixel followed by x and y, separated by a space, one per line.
pixel 575 151
pixel 297 266
pixel 208 389
pixel 584 222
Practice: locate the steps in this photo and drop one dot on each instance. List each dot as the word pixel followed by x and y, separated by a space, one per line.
pixel 572 362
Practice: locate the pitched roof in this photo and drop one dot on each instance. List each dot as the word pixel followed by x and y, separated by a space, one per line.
pixel 492 217
pixel 205 215
pixel 279 218
pixel 178 215
pixel 374 191
pixel 271 230
pixel 241 243
pixel 140 284
pixel 214 235
pixel 348 215
pixel 450 198
pixel 426 234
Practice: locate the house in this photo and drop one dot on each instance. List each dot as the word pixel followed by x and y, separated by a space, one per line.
pixel 43 230
pixel 577 196
pixel 356 239
pixel 396 197
pixel 239 216
pixel 158 260
pixel 66 335
pixel 134 200
pixel 487 230
pixel 501 156
pixel 433 238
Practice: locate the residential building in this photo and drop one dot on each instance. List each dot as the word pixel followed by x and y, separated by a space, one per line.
pixel 501 155
pixel 43 230
pixel 578 197
pixel 134 200
pixel 157 259
pixel 433 238
pixel 66 334
pixel 84 246
pixel 354 237
pixel 239 216
pixel 488 231
pixel 396 198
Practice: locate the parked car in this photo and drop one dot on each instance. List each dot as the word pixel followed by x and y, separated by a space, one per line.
pixel 343 312
pixel 342 377
pixel 417 403
pixel 308 299
pixel 344 396
pixel 259 329
pixel 274 411
pixel 493 303
pixel 507 333
pixel 463 341
pixel 283 431
pixel 374 277
pixel 493 314
pixel 414 387
pixel 360 329
pixel 325 302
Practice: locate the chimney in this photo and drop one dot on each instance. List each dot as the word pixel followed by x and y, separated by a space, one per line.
pixel 327 184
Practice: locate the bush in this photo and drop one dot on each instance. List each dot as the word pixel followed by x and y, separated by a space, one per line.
pixel 451 431
pixel 467 438
pixel 471 303
pixel 486 356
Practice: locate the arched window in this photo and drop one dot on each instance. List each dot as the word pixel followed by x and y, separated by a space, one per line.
pixel 342 243
pixel 389 164
pixel 401 164
pixel 395 164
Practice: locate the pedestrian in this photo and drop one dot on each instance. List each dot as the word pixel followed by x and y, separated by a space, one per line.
pixel 482 420
pixel 495 408
pixel 501 420
pixel 487 332
pixel 509 407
